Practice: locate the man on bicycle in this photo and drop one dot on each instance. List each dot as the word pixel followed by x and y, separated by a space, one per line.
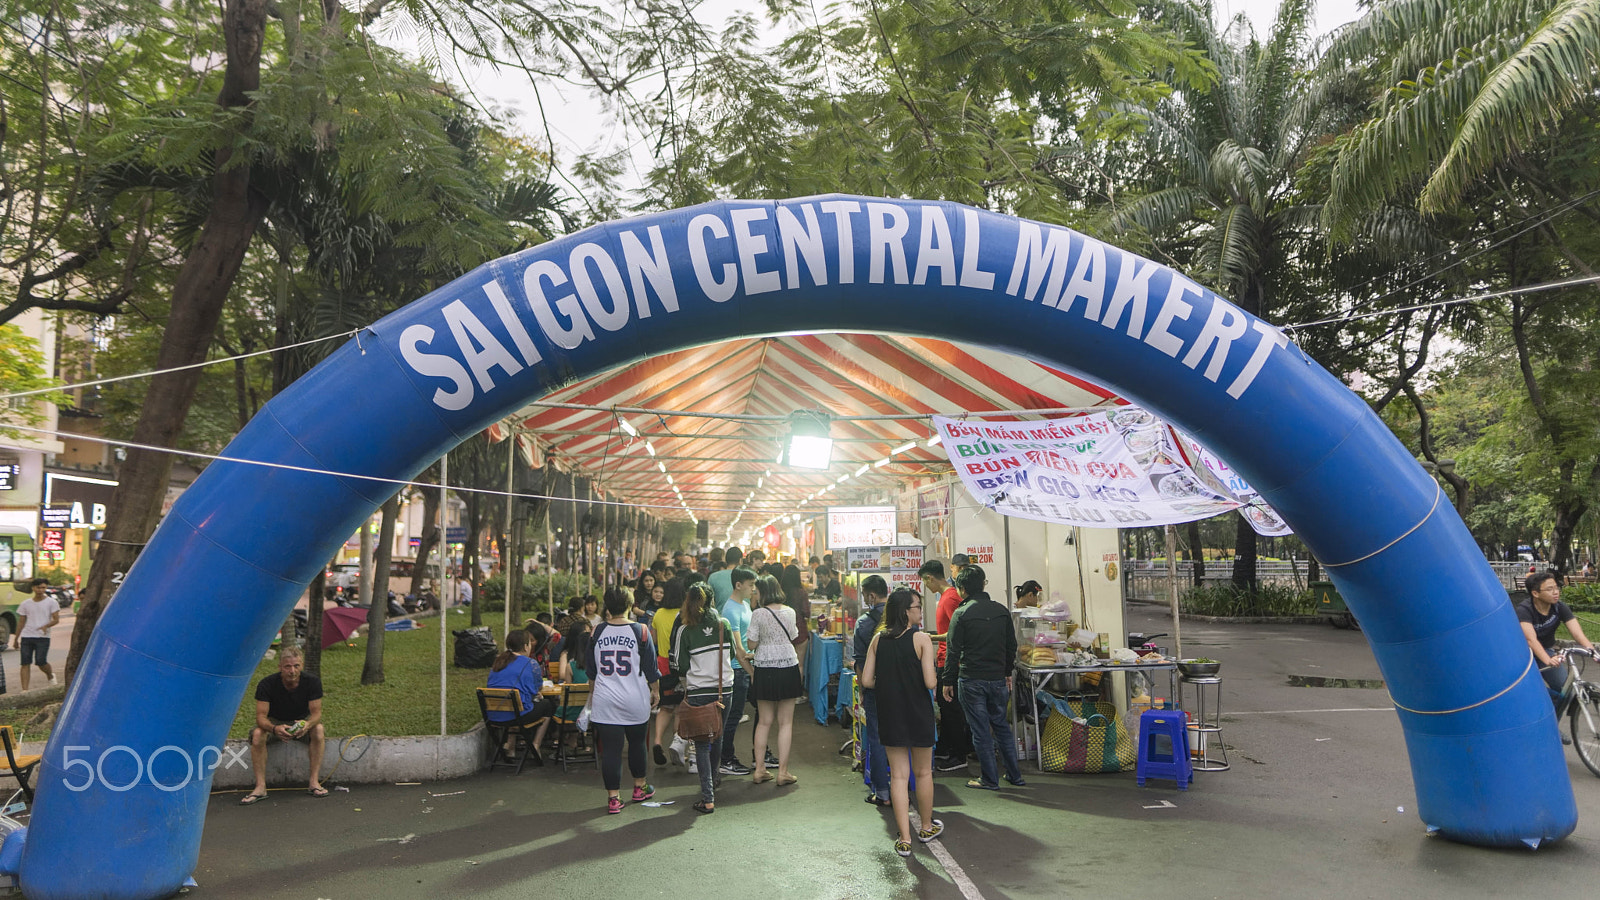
pixel 1540 615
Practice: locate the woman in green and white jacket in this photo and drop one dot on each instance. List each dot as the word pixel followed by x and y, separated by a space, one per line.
pixel 704 640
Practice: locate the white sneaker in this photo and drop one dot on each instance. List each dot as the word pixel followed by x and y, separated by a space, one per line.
pixel 678 752
pixel 689 764
pixel 744 718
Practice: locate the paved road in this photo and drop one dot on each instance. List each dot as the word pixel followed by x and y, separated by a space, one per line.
pixel 1318 804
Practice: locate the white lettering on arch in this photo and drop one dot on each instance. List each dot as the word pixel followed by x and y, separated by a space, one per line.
pixel 796 241
pixel 610 319
pixel 935 250
pixel 1038 256
pixel 479 347
pixel 567 304
pixel 715 290
pixel 750 245
pixel 1224 325
pixel 436 365
pixel 887 225
pixel 651 266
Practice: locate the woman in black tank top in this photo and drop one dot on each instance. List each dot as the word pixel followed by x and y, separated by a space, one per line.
pixel 899 667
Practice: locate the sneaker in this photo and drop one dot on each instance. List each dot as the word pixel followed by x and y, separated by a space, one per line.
pixel 903 848
pixel 772 760
pixel 744 718
pixel 734 767
pixel 641 794
pixel 660 755
pixel 689 763
pixel 614 805
pixel 932 831
pixel 679 750
pixel 949 764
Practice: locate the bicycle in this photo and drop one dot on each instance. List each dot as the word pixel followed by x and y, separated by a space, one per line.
pixel 1581 702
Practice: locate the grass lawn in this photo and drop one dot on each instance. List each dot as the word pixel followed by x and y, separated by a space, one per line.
pixel 408 700
pixel 407 703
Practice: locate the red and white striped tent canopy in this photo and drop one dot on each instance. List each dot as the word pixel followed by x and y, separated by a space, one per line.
pixel 721 458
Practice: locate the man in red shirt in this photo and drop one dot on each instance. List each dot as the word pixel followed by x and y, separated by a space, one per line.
pixel 954 741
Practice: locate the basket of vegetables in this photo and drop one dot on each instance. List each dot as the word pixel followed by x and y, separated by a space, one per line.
pixel 1202 667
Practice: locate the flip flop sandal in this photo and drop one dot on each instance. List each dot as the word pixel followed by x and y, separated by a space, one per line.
pixel 252 799
pixel 317 792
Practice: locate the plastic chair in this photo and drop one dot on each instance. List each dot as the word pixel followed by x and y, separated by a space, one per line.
pixel 1164 747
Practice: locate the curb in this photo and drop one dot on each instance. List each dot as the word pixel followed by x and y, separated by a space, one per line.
pixel 358 759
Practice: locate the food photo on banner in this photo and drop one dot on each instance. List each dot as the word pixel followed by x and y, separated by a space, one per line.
pixel 1112 468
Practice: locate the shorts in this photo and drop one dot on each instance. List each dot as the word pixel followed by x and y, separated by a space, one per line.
pixel 35 649
pixel 671 685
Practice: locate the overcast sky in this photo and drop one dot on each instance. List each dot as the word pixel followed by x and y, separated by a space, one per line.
pixel 577 123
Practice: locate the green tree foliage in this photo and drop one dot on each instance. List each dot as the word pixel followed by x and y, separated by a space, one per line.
pixel 925 98
pixel 1467 87
pixel 22 369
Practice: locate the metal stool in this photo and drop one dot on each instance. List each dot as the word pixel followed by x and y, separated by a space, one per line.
pixel 1206 725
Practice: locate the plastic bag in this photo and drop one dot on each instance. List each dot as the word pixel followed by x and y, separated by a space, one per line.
pixel 1082 637
pixel 475 648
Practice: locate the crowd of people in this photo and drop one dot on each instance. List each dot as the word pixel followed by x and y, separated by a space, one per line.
pixel 729 630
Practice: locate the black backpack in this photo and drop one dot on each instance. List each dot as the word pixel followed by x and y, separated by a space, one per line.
pixel 475 648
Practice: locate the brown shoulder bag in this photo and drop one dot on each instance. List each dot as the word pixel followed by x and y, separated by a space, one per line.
pixel 703 723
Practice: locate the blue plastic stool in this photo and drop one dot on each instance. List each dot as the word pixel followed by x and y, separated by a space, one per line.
pixel 1164 747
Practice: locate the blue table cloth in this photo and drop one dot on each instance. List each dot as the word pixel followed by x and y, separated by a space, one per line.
pixel 824 659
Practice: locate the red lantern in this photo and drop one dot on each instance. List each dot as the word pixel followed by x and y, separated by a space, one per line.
pixel 771 536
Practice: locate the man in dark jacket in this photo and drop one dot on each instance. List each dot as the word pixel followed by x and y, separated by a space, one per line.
pixel 982 652
pixel 874 593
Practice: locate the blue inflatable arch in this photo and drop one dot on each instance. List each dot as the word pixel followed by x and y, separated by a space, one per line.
pixel 121 803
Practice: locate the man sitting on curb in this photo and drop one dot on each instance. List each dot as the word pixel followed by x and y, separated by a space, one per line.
pixel 289 708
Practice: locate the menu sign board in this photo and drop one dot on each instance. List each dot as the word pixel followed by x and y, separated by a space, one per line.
pixel 901 563
pixel 860 526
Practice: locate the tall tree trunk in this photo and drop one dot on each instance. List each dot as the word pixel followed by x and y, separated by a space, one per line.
pixel 512 558
pixel 314 605
pixel 202 285
pixel 378 612
pixel 1244 554
pixel 422 574
pixel 469 558
pixel 1197 551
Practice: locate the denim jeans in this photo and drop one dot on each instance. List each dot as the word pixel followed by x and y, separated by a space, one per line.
pixel 985 705
pixel 872 754
pixel 741 687
pixel 1555 678
pixel 707 754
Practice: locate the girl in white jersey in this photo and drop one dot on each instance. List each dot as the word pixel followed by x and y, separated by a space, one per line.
pixel 622 667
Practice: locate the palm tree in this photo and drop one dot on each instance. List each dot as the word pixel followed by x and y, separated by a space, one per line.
pixel 1469 86
pixel 1216 193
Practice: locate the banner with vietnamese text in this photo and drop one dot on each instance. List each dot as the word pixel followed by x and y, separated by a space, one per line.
pixel 1118 468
